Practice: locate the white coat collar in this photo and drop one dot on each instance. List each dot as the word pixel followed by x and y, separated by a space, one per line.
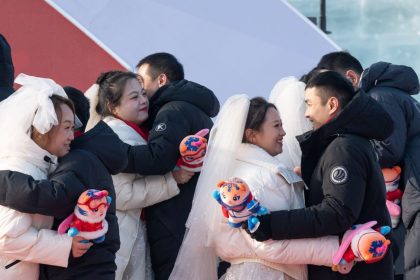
pixel 256 155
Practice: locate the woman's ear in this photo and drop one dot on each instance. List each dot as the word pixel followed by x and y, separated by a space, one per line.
pixel 112 109
pixel 249 135
pixel 38 138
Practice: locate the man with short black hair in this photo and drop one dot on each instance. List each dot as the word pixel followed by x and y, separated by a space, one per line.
pixel 394 86
pixel 157 70
pixel 345 182
pixel 343 63
pixel 177 108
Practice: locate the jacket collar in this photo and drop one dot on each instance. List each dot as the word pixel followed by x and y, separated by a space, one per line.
pixel 255 155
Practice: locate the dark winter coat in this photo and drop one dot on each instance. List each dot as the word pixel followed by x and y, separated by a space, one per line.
pixel 175 111
pixel 393 86
pixel 7 71
pixel 346 185
pixel 93 157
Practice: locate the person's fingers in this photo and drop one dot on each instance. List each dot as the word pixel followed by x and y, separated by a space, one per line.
pixel 80 246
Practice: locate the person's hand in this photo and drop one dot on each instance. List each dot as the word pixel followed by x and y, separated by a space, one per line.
pixel 182 176
pixel 263 232
pixel 298 171
pixel 80 246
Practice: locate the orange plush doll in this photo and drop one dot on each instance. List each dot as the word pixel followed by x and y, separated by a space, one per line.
pixel 238 204
pixel 193 149
pixel 361 243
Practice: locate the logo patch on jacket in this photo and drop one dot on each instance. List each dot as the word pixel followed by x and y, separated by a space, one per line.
pixel 160 127
pixel 338 175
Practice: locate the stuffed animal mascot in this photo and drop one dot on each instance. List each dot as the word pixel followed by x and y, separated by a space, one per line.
pixel 238 205
pixel 88 218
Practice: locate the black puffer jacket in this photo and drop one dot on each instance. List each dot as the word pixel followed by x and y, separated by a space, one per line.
pixel 7 71
pixel 345 183
pixel 93 157
pixel 393 86
pixel 177 110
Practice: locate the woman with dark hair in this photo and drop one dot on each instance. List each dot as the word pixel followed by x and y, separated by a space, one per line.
pixel 121 102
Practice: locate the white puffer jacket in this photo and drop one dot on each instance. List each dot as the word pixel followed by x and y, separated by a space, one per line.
pixel 27 237
pixel 133 193
pixel 268 181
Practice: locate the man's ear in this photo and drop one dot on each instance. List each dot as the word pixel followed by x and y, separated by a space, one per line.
pixel 333 105
pixel 162 80
pixel 354 78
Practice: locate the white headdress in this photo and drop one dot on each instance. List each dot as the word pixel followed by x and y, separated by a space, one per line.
pixel 197 259
pixel 288 96
pixel 93 95
pixel 29 106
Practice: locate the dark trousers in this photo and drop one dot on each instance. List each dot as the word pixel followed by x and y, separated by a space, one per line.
pixel 164 247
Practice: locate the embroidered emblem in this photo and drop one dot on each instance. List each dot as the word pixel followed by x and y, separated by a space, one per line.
pixel 338 175
pixel 160 127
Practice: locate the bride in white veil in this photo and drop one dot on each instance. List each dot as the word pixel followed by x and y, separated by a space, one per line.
pixel 288 96
pixel 197 258
pixel 208 234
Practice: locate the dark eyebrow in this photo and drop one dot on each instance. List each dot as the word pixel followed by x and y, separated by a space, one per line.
pixel 133 92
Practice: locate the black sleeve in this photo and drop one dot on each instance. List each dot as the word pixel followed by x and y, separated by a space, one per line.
pixel 341 204
pixel 47 197
pixel 391 150
pixel 161 153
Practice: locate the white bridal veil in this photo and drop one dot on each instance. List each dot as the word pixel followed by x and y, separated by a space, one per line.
pixel 288 96
pixel 197 259
pixel 93 95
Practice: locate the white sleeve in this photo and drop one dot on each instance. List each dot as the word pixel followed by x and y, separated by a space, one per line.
pixel 233 243
pixel 21 241
pixel 133 191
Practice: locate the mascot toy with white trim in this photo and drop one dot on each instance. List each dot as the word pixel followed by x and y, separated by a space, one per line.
pixel 361 243
pixel 238 205
pixel 193 149
pixel 88 219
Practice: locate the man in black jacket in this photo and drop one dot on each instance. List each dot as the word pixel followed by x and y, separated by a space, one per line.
pixel 339 166
pixel 7 71
pixel 393 86
pixel 177 108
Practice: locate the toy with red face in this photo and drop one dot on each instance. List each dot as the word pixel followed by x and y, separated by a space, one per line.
pixel 88 218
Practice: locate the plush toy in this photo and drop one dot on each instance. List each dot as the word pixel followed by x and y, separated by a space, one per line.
pixel 393 193
pixel 361 243
pixel 88 219
pixel 238 204
pixel 193 149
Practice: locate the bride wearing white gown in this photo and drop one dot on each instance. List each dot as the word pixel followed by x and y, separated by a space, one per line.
pixel 247 136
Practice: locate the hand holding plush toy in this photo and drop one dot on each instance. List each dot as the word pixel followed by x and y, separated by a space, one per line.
pixel 238 204
pixel 88 219
pixel 361 243
pixel 193 149
pixel 393 193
